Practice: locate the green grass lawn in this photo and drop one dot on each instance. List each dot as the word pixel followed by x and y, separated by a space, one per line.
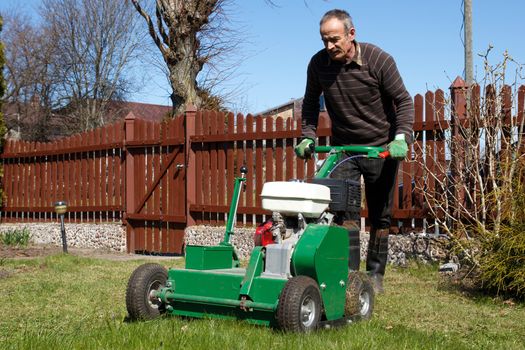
pixel 68 302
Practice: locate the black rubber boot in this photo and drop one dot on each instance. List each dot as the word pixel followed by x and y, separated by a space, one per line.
pixel 376 258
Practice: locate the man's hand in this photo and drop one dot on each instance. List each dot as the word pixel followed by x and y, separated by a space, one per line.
pixel 304 148
pixel 398 148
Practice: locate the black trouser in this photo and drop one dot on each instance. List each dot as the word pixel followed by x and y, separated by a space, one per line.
pixel 380 177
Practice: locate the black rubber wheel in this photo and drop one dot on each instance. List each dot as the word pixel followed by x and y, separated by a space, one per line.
pixel 145 279
pixel 299 308
pixel 360 296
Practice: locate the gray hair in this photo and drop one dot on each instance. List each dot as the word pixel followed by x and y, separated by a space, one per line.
pixel 341 15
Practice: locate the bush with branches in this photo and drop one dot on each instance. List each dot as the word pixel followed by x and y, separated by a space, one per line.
pixel 480 203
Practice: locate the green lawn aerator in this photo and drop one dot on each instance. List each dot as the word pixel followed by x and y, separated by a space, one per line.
pixel 297 277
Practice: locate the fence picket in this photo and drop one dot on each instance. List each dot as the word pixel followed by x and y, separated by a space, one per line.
pixel 214 181
pixel 221 164
pixel 250 185
pixel 279 151
pixel 259 165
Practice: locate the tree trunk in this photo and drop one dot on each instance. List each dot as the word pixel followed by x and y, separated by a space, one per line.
pixel 183 75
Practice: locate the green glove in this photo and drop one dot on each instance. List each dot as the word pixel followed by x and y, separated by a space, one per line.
pixel 304 148
pixel 398 148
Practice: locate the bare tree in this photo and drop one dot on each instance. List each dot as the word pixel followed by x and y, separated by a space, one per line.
pixel 30 78
pixel 71 64
pixel 94 42
pixel 191 35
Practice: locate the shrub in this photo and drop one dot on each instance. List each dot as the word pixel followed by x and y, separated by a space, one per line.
pixel 15 237
pixel 502 255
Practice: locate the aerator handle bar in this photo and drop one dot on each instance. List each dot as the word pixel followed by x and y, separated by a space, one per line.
pixel 233 206
pixel 336 153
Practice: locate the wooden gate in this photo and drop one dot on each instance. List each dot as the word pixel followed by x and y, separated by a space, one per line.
pixel 155 215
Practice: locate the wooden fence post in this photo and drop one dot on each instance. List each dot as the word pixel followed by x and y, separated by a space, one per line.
pixel 130 200
pixel 191 193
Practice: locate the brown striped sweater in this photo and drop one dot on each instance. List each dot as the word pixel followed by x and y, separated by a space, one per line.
pixel 366 98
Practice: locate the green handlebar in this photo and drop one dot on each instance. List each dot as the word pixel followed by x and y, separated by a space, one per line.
pixel 336 154
pixel 370 151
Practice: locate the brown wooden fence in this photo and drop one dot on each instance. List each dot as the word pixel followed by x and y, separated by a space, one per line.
pixel 158 178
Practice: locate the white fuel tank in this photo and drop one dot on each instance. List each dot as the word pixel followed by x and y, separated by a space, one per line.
pixel 291 198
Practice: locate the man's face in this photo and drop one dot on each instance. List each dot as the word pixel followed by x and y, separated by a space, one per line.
pixel 336 41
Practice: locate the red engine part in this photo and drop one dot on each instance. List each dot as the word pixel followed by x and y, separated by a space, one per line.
pixel 263 234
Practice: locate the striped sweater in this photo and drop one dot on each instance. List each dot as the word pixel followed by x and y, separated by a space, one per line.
pixel 366 99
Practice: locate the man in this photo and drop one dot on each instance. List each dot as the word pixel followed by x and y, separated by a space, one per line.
pixel 368 105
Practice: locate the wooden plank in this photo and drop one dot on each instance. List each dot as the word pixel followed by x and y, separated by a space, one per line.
pixel 20 181
pixel 289 152
pixel 230 158
pixel 41 178
pixel 119 166
pixel 30 182
pixel 172 233
pixel 176 191
pixel 74 175
pixel 163 157
pixel 150 174
pixel 178 239
pixel 221 164
pixel 67 178
pixel 259 166
pixel 54 176
pixel 97 179
pixel 299 163
pixel 110 164
pixel 8 178
pixel 51 208
pixel 250 186
pixel 23 179
pixel 251 136
pixel 154 183
pixel 270 167
pixel 105 195
pixel 214 181
pixel 140 179
pixel 91 172
pixel 173 173
pixel 80 149
pixel 181 171
pixel 164 233
pixel 157 191
pixel 206 174
pixel 164 182
pixel 197 150
pixel 279 152
pixel 140 239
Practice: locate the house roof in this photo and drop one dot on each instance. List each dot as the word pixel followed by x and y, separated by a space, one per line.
pixel 17 114
pixel 144 111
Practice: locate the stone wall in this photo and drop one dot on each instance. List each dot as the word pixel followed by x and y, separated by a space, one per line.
pixel 112 237
pixel 107 236
pixel 402 248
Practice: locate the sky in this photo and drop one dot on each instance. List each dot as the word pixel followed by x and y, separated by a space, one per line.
pixel 424 37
